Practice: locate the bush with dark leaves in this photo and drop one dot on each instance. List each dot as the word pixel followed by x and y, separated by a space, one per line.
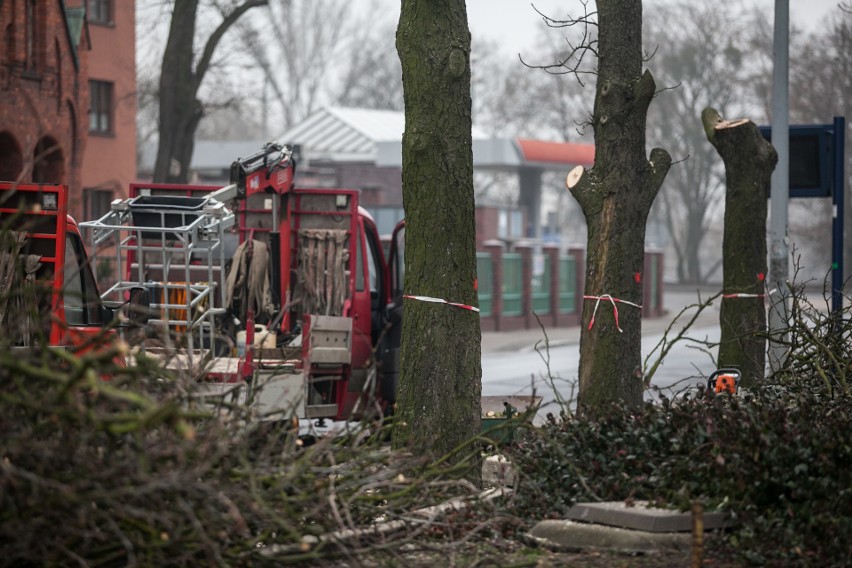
pixel 777 458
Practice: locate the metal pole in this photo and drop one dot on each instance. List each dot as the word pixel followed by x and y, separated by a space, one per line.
pixel 779 269
pixel 838 189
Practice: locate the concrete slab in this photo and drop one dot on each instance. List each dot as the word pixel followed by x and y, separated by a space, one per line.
pixel 498 471
pixel 570 534
pixel 641 517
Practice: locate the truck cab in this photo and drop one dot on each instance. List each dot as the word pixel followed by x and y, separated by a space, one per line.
pixel 48 292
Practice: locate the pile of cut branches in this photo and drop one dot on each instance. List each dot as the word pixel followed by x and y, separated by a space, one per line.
pixel 129 471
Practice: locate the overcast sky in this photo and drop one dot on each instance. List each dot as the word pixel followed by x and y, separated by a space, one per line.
pixel 515 24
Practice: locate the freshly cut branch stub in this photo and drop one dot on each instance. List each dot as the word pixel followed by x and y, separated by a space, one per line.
pixel 574 177
pixel 722 125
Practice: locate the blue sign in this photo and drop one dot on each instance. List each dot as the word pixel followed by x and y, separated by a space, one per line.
pixel 811 159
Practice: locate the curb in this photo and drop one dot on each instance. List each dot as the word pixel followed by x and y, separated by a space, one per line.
pixel 572 535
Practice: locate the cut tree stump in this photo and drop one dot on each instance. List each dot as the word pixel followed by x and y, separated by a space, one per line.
pixel 749 161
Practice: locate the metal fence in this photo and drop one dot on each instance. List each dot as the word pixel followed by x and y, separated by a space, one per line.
pixel 542 285
pixel 567 285
pixel 485 280
pixel 513 284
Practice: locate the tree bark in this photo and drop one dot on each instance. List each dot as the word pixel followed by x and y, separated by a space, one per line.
pixel 616 197
pixel 749 160
pixel 439 393
pixel 180 79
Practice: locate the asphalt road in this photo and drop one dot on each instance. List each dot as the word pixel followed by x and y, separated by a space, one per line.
pixel 553 375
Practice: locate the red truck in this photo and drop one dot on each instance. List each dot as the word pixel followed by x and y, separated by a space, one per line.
pixel 43 266
pixel 301 269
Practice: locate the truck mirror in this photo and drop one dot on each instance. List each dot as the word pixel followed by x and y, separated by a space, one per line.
pixel 139 306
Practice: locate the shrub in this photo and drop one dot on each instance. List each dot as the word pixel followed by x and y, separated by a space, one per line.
pixel 778 458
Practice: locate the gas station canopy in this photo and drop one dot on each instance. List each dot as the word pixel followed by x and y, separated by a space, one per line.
pixel 367 135
pixel 507 154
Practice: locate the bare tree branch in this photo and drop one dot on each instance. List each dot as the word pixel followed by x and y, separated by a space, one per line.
pixel 228 20
pixel 572 62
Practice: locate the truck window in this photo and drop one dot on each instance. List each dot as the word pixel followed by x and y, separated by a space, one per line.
pixel 359 266
pixel 80 294
pixel 372 276
pixel 373 262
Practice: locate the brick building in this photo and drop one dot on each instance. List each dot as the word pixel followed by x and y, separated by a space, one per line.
pixel 43 92
pixel 109 163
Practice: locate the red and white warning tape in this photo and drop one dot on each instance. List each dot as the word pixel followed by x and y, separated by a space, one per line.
pixel 613 301
pixel 441 301
pixel 744 295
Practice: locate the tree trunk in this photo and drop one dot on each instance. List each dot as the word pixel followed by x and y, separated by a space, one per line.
pixel 180 109
pixel 439 394
pixel 749 161
pixel 616 197
pixel 178 104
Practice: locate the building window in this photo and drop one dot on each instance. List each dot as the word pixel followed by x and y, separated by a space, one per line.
pixel 96 202
pixel 510 224
pixel 100 107
pixel 100 11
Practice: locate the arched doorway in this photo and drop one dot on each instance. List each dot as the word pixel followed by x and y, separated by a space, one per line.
pixel 48 162
pixel 11 160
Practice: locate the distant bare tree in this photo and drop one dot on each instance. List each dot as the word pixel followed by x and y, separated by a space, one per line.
pixel 820 88
pixel 295 44
pixel 506 95
pixel 512 97
pixel 370 72
pixel 513 100
pixel 694 45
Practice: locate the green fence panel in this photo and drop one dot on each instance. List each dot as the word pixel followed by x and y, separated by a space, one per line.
pixel 485 279
pixel 541 287
pixel 567 285
pixel 512 284
pixel 653 277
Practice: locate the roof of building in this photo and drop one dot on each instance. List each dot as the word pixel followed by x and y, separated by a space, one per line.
pixel 509 154
pixel 344 134
pixel 541 152
pixel 348 134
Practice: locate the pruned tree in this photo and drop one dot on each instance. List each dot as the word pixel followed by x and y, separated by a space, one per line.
pixel 181 77
pixel 616 195
pixel 440 381
pixel 749 161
